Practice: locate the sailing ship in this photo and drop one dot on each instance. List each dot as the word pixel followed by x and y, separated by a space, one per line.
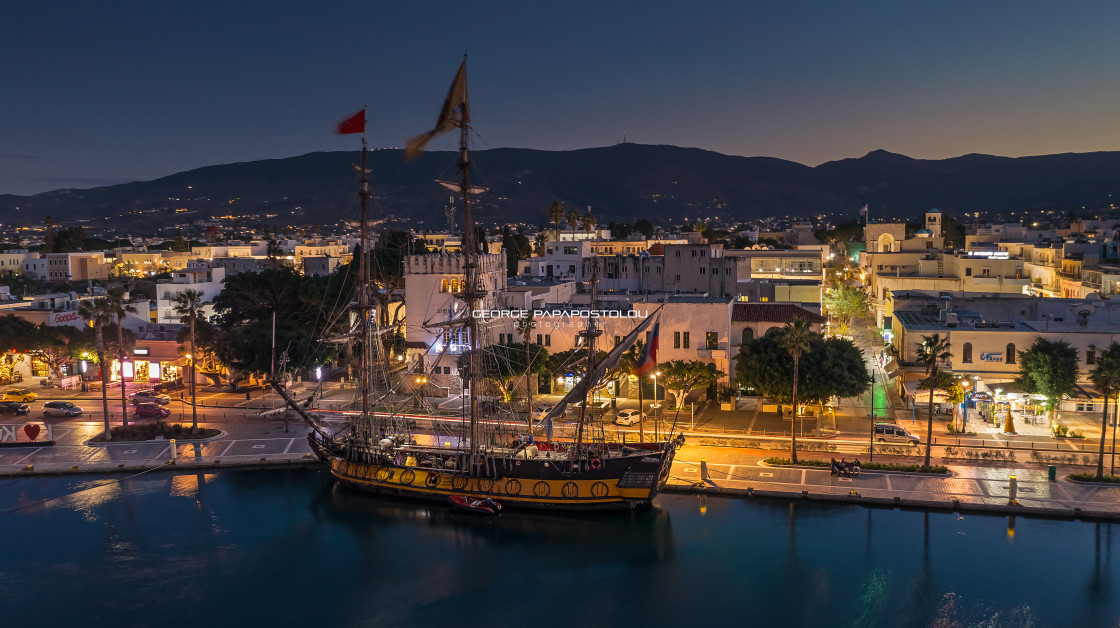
pixel 520 464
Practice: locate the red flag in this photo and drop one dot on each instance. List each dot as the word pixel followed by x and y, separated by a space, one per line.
pixel 354 124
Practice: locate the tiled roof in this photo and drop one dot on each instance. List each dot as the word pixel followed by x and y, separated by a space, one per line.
pixel 772 313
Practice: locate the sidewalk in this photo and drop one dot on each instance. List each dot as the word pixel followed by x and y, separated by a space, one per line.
pixel 972 486
pixel 976 487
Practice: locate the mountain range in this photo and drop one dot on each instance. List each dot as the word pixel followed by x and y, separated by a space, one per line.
pixel 620 182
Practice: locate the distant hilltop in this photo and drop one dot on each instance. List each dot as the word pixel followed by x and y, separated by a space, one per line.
pixel 620 182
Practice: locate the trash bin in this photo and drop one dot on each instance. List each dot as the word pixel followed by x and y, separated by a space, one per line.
pixel 1052 473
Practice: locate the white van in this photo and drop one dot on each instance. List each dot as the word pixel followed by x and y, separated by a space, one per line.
pixel 891 433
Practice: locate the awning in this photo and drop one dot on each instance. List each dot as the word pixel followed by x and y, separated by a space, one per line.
pixel 922 396
pixel 183 361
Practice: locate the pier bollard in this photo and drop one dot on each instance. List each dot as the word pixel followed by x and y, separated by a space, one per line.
pixel 704 471
pixel 173 450
pixel 1012 491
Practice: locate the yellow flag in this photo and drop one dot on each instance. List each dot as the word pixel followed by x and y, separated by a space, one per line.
pixel 455 110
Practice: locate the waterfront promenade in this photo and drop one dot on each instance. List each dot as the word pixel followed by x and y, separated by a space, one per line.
pixel 254 441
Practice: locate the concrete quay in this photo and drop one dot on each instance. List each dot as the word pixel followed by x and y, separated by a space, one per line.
pixel 971 486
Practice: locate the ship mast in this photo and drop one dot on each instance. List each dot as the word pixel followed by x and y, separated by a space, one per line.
pixel 364 313
pixel 471 293
pixel 589 335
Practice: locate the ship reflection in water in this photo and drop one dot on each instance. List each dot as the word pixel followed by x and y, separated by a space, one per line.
pixel 291 547
pixel 641 536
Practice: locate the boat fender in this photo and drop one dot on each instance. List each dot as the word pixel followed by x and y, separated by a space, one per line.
pixel 596 464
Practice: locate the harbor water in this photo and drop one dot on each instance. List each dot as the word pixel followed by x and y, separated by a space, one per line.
pixel 290 548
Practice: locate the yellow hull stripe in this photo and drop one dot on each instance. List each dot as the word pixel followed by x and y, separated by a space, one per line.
pixel 424 482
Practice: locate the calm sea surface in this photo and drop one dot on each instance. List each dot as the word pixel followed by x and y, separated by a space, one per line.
pixel 289 548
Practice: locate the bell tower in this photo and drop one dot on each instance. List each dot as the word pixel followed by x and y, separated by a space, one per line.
pixel 933 222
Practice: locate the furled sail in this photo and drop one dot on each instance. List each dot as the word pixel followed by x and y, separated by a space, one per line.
pixel 579 391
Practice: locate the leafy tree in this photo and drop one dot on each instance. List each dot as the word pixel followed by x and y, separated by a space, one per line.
pixel 187 305
pixel 681 378
pixel 845 303
pixel 244 313
pixel 99 312
pixel 832 367
pixel 644 227
pixel 69 240
pixel 517 247
pixel 931 352
pixel 1048 368
pixel 1106 377
pixel 180 245
pixel 620 230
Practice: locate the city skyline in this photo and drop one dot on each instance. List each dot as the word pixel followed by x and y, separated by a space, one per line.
pixel 130 91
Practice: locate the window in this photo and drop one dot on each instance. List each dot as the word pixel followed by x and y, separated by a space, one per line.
pixel 711 340
pixel 1085 407
pixel 548 340
pixel 694 253
pixel 967 352
pixel 617 340
pixel 678 278
pixel 447 370
pixel 748 335
pixel 702 270
pixel 676 340
pixel 686 340
pixel 968 272
pixel 701 253
pixel 1010 354
pixel 678 253
pixel 540 338
pixel 1090 356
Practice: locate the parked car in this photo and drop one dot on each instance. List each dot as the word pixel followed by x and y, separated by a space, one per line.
pixel 61 408
pixel 149 395
pixel 13 407
pixel 20 394
pixel 149 410
pixel 891 433
pixel 629 417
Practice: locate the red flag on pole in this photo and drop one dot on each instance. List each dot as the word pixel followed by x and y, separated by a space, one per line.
pixel 354 124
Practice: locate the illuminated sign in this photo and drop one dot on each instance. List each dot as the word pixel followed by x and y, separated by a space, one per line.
pixel 139 352
pixel 991 356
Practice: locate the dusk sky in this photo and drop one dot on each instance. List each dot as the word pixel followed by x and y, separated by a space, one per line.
pixel 96 93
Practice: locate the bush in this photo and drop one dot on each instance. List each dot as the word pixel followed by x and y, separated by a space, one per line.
pixel 1092 477
pixel 149 431
pixel 1061 431
pixel 864 466
pixel 952 428
pixel 1076 434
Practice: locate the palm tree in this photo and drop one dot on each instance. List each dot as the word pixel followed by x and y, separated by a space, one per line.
pixel 1106 377
pixel 932 350
pixel 187 305
pixel 526 325
pixel 99 312
pixel 556 215
pixel 120 309
pixel 572 218
pixel 795 339
pixel 588 222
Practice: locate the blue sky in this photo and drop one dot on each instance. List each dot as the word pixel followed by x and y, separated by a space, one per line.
pixel 98 93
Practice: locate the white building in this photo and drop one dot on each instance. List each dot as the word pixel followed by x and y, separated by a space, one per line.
pixel 198 276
